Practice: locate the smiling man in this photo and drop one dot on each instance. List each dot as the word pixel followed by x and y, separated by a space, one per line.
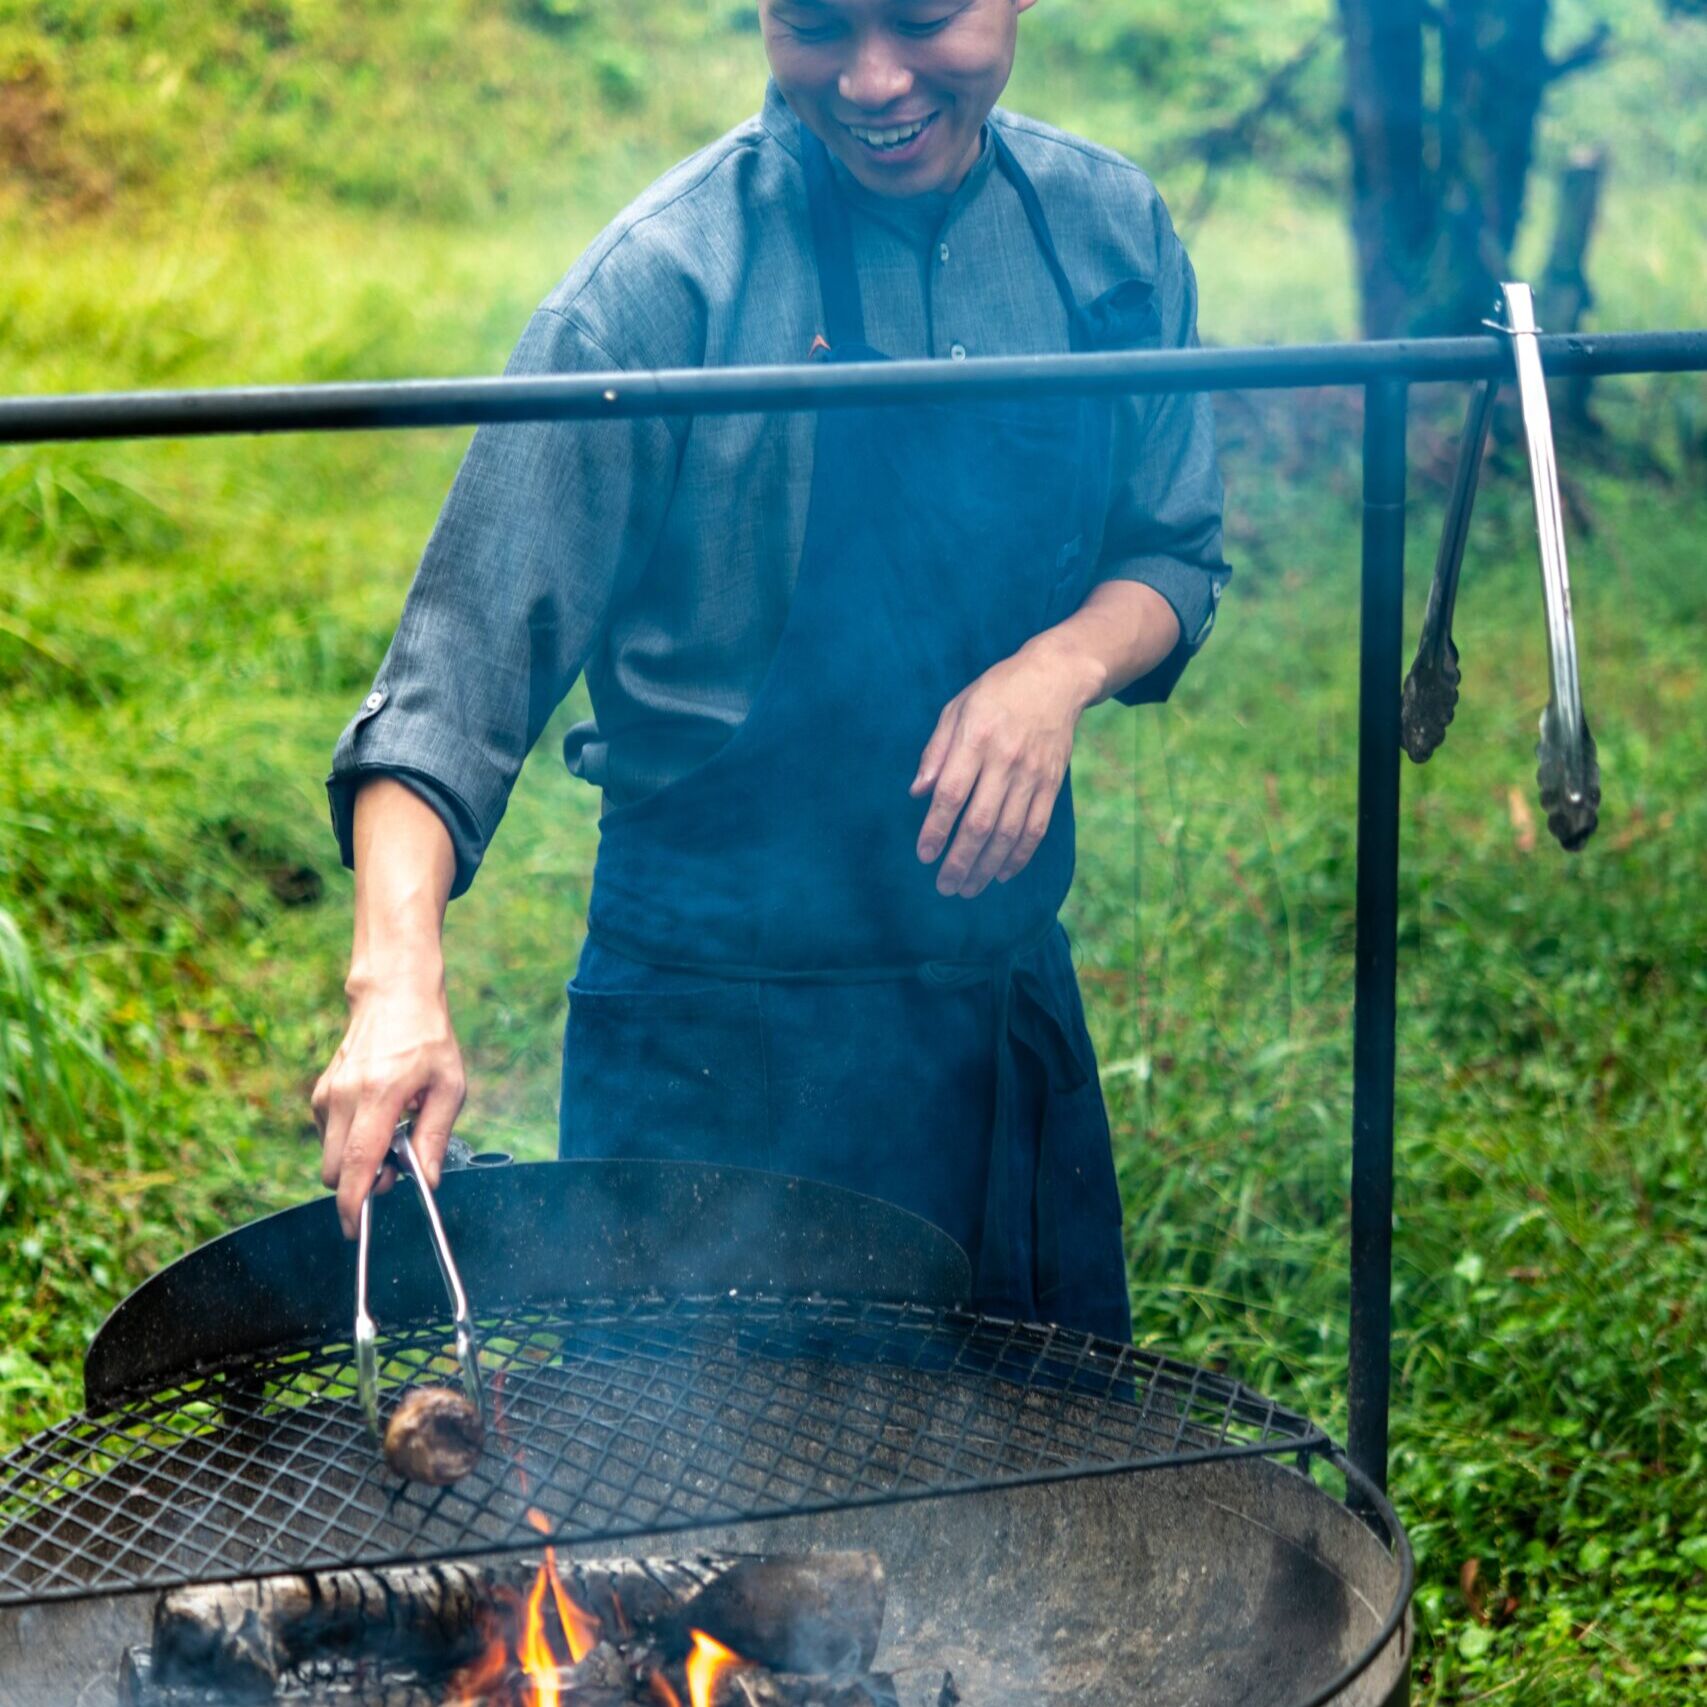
pixel 836 663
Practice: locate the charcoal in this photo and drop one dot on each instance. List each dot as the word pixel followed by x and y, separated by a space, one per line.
pixel 755 1686
pixel 603 1668
pixel 802 1613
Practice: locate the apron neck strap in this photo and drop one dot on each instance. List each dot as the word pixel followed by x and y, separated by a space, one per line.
pixel 832 240
pixel 1041 235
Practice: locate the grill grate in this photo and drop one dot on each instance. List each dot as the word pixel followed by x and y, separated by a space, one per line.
pixel 613 1421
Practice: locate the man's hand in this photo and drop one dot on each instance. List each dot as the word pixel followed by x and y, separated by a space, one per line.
pixel 1001 746
pixel 398 1056
pixel 399 1052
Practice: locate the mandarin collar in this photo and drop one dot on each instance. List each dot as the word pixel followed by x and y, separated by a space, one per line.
pixel 916 216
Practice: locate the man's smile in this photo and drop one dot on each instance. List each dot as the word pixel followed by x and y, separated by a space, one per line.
pixel 893 142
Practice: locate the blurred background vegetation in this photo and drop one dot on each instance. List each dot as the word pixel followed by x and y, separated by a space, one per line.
pixel 195 193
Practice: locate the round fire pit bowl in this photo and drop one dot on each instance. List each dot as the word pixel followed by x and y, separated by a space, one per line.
pixel 1059 1519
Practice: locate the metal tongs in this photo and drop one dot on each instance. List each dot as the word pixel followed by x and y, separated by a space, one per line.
pixel 1569 772
pixel 367 1335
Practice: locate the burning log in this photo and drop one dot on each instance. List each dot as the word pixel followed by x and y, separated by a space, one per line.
pixel 812 1612
pixel 242 1637
pixel 799 1631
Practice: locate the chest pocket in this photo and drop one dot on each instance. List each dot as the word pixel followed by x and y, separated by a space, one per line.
pixel 1124 317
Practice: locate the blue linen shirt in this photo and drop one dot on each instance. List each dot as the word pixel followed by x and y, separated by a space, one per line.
pixel 659 555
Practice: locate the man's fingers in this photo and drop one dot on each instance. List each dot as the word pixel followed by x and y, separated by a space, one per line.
pixel 977 824
pixel 1003 839
pixel 432 1128
pixel 320 1099
pixel 953 789
pixel 936 748
pixel 340 1110
pixel 366 1147
pixel 1041 810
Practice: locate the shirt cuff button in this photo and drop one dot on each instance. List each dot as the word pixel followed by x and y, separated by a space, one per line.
pixel 958 351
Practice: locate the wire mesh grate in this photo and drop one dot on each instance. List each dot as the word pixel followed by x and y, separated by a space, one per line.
pixel 611 1421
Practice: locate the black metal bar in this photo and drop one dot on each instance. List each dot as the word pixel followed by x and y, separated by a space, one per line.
pixel 737 390
pixel 1374 1022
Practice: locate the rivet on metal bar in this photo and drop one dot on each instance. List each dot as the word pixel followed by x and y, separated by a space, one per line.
pixel 1569 773
pixel 367 1335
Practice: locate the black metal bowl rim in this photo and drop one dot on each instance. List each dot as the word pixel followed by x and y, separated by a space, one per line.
pixel 1375 1499
pixel 591 1309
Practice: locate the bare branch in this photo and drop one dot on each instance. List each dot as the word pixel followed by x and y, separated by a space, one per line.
pixel 1236 138
pixel 1590 51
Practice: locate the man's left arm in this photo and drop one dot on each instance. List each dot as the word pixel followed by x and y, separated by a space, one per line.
pixel 995 763
pixel 1164 516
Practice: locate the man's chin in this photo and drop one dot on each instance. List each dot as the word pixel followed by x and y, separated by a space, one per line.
pixel 911 178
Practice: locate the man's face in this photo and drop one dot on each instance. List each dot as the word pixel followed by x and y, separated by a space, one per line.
pixel 897 90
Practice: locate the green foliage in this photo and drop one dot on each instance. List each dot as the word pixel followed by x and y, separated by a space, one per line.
pixel 59 1089
pixel 78 511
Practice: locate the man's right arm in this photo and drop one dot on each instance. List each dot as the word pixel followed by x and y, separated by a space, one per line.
pixel 544 527
pixel 399 1051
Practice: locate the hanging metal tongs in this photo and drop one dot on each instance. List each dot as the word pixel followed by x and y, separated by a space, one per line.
pixel 1569 773
pixel 367 1334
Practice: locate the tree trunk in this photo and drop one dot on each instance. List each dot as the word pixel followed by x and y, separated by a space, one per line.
pixel 1391 219
pixel 1438 194
pixel 1493 73
pixel 1564 295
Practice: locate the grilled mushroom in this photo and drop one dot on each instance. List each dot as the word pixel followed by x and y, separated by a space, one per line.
pixel 434 1436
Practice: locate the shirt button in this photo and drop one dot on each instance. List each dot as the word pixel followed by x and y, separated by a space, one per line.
pixel 942 253
pixel 958 351
pixel 373 701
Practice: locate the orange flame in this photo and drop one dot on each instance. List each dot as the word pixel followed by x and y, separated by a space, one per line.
pixel 706 1664
pixel 525 1635
pixel 535 1653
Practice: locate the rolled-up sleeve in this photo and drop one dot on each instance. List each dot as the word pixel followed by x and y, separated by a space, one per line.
pixel 1164 519
pixel 544 526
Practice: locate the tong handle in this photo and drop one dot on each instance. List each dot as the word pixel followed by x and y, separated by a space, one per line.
pixel 1431 689
pixel 367 1333
pixel 1569 772
pixel 467 1346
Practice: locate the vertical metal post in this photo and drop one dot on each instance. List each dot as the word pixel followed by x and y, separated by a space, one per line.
pixel 1381 663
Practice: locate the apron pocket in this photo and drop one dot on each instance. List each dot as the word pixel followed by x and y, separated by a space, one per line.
pixel 673 1075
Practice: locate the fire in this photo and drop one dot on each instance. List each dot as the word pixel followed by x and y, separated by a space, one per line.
pixel 581 1630
pixel 521 1637
pixel 535 1653
pixel 708 1662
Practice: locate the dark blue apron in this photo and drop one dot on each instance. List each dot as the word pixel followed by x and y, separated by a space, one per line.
pixel 771 977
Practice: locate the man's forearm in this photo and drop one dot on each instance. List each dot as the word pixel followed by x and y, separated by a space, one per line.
pixel 1122 631
pixel 405 863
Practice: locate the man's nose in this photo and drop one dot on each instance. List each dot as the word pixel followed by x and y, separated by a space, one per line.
pixel 878 75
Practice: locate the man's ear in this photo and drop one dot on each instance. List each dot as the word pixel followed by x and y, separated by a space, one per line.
pixel 1024 5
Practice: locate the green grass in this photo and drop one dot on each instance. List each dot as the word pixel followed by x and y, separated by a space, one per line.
pixel 184 628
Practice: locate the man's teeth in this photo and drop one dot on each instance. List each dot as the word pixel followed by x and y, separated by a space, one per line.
pixel 894 136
